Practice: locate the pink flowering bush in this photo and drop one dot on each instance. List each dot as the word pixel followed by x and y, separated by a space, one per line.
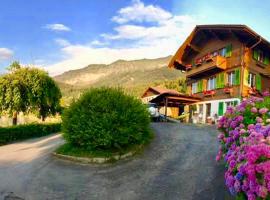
pixel 245 148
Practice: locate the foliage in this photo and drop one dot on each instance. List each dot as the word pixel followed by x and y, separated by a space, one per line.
pixel 178 85
pixel 106 118
pixel 20 132
pixel 27 89
pixel 245 147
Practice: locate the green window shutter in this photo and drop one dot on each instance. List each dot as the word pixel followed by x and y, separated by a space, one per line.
pixel 222 80
pixel 237 77
pixel 200 85
pixel 220 108
pixel 235 103
pixel 255 54
pixel 228 51
pixel 258 82
pixel 193 63
pixel 266 60
pixel 217 81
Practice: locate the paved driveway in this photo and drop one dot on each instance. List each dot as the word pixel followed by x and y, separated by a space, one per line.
pixel 179 164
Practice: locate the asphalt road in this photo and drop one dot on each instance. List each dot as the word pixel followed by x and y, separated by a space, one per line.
pixel 178 164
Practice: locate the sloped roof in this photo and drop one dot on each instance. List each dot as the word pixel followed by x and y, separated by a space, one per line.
pixel 160 90
pixel 238 29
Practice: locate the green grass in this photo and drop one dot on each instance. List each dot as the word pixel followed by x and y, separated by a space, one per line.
pixel 68 149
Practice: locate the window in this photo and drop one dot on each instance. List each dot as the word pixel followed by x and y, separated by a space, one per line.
pixel 222 52
pixel 260 56
pixel 194 87
pixel 231 78
pixel 251 80
pixel 211 83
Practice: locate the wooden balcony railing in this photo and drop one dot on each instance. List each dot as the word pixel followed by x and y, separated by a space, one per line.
pixel 217 63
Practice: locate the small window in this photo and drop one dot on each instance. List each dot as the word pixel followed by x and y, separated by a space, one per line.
pixel 260 56
pixel 222 52
pixel 251 80
pixel 194 87
pixel 231 78
pixel 211 83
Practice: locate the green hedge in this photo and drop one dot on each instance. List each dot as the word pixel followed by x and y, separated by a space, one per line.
pixel 106 119
pixel 21 132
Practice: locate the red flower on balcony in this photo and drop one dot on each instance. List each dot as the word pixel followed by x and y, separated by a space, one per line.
pixel 188 67
pixel 209 92
pixel 198 61
pixel 253 91
pixel 208 57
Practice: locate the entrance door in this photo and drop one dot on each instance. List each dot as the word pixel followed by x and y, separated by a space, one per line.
pixel 208 110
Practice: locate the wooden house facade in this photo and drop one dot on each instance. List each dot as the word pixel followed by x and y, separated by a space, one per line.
pixel 223 64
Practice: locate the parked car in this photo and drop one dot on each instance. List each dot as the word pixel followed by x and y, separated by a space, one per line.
pixel 153 111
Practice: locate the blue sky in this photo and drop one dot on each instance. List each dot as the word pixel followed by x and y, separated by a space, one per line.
pixel 62 35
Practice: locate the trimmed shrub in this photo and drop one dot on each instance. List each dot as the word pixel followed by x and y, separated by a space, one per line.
pixel 21 132
pixel 106 118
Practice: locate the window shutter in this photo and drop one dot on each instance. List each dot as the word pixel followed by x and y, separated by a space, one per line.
pixel 258 82
pixel 266 60
pixel 235 103
pixel 220 108
pixel 228 51
pixel 217 81
pixel 222 80
pixel 246 77
pixel 255 54
pixel 237 77
pixel 193 63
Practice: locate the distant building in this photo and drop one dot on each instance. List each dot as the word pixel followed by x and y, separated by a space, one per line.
pixel 223 64
pixel 169 102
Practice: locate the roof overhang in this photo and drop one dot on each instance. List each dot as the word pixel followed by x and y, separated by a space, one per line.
pixel 242 32
pixel 179 99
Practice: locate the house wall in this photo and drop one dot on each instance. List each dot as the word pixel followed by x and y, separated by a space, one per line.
pixel 171 111
pixel 201 117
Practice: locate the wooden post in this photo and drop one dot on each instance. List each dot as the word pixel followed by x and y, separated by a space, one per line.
pixel 166 105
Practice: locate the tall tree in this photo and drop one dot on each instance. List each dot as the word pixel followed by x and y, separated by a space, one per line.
pixel 26 89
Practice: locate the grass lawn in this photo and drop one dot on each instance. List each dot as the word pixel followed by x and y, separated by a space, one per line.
pixel 68 149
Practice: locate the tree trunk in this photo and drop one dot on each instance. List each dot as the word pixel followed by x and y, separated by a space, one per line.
pixel 43 118
pixel 15 118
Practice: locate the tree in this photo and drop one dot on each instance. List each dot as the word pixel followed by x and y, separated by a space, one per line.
pixel 27 89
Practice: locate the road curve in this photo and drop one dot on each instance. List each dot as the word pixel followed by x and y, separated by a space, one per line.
pixel 179 164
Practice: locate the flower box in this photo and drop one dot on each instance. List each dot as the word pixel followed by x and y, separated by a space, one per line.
pixel 227 90
pixel 253 91
pixel 209 93
pixel 208 58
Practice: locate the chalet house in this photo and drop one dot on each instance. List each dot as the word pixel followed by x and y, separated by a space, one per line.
pixel 223 64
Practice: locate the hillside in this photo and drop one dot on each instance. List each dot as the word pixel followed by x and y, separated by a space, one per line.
pixel 134 75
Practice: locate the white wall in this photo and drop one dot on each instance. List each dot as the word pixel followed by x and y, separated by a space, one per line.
pixel 214 107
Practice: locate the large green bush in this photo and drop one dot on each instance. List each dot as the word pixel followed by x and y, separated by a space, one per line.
pixel 20 132
pixel 106 118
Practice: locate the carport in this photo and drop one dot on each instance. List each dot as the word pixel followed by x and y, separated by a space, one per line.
pixel 174 100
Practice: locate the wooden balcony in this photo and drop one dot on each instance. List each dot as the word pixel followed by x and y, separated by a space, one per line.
pixel 212 66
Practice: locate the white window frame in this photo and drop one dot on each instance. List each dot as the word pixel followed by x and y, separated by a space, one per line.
pixel 251 80
pixel 194 87
pixel 231 78
pixel 211 83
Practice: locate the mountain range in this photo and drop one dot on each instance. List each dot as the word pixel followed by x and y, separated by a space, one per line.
pixel 134 76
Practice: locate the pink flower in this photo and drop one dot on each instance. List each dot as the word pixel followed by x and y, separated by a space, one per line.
pixel 263 111
pixel 254 110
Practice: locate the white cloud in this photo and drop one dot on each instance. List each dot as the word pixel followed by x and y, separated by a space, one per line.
pixel 130 41
pixel 57 27
pixel 62 42
pixel 5 53
pixel 98 43
pixel 138 12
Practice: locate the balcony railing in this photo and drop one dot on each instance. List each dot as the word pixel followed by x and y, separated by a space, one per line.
pixel 213 64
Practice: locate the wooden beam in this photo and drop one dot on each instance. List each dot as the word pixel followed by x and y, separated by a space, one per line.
pixel 195 48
